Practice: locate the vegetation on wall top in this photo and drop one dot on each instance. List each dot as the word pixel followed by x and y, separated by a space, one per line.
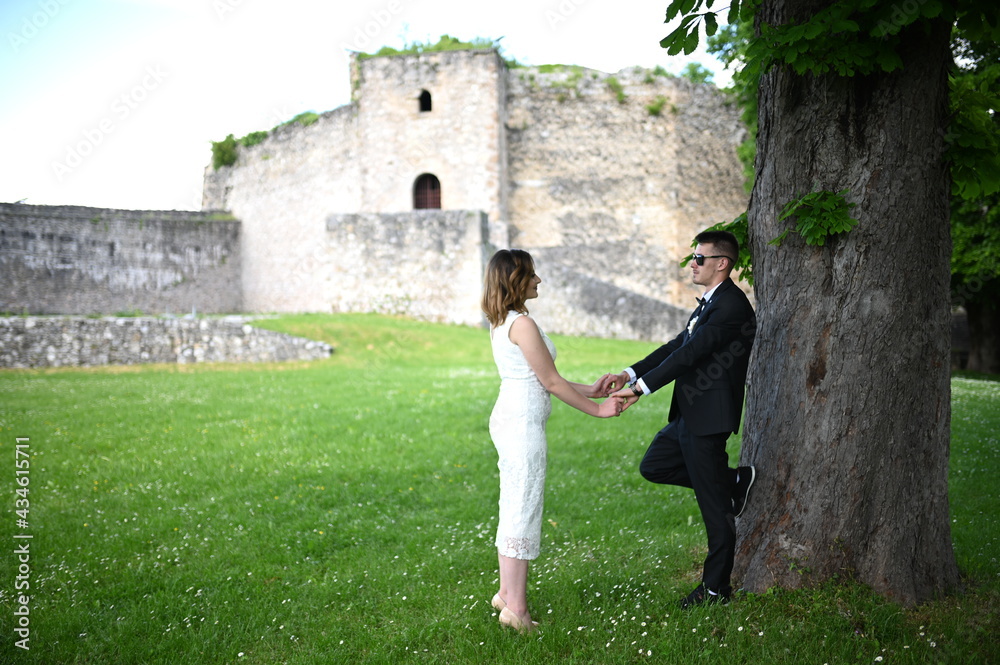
pixel 224 152
pixel 444 43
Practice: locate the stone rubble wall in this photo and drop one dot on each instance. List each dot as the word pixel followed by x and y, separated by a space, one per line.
pixel 74 341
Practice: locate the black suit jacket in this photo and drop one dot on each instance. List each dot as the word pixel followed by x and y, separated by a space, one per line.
pixel 708 365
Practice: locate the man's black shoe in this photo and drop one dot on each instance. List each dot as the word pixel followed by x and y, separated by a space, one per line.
pixel 746 476
pixel 702 596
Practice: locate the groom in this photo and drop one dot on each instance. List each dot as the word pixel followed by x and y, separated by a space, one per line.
pixel 707 362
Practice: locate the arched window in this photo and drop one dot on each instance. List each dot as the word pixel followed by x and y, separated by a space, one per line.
pixel 426 192
pixel 425 101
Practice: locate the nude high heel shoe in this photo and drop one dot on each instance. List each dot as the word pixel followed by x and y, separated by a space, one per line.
pixel 498 602
pixel 511 620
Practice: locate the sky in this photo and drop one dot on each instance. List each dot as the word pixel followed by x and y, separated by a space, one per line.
pixel 115 103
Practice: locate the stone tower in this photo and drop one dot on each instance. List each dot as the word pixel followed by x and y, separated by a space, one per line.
pixel 435 114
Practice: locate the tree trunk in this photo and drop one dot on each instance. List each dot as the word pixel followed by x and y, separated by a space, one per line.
pixel 848 408
pixel 984 336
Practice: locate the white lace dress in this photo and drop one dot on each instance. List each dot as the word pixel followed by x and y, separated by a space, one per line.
pixel 517 427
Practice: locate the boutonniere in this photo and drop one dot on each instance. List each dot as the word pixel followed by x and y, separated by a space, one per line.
pixel 692 324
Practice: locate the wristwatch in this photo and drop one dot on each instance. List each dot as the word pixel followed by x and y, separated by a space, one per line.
pixel 636 390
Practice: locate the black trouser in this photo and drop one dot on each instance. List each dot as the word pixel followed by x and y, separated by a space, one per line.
pixel 678 457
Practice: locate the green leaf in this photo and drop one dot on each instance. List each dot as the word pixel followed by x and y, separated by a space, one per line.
pixel 818 216
pixel 691 43
pixel 845 25
pixel 795 33
pixel 780 239
pixel 673 38
pixel 802 67
pixel 734 13
pixel 711 24
pixel 813 29
pixel 889 60
pixel 672 10
pixel 931 9
pixel 677 40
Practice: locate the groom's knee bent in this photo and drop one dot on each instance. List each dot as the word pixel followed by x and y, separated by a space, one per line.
pixel 651 472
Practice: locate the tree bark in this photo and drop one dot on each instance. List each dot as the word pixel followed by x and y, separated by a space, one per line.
pixel 848 407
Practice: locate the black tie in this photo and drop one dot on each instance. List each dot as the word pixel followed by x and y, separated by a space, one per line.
pixel 701 305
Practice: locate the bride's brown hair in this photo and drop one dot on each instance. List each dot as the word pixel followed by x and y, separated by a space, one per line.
pixel 508 277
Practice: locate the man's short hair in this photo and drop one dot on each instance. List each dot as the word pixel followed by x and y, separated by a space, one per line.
pixel 723 241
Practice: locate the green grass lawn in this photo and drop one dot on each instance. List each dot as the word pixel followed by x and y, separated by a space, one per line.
pixel 343 511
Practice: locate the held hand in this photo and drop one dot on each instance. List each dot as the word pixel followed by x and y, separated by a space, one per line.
pixel 597 388
pixel 624 393
pixel 612 382
pixel 609 408
pixel 600 387
pixel 627 396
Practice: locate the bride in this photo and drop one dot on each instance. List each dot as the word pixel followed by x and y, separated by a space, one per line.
pixel 525 359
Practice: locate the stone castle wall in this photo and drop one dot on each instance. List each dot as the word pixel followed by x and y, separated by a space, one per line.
pixel 617 191
pixel 358 159
pixel 567 163
pixel 574 303
pixel 560 163
pixel 427 264
pixel 282 190
pixel 72 259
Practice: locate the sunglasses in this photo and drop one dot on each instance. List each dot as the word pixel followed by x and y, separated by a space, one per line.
pixel 700 258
